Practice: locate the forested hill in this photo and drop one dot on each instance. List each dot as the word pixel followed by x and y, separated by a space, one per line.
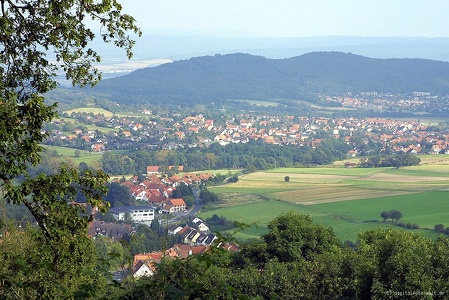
pixel 244 76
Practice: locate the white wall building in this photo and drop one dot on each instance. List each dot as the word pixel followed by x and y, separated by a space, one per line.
pixel 139 214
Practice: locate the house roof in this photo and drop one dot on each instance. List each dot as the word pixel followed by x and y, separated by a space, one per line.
pixel 157 199
pixel 152 169
pixel 177 202
pixel 155 256
pixel 113 230
pixel 183 230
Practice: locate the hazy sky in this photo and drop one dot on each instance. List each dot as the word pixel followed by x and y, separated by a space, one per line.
pixel 293 18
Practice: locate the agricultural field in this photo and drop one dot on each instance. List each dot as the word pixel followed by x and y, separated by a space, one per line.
pixel 260 102
pixel 104 130
pixel 106 113
pixel 94 110
pixel 90 158
pixel 349 200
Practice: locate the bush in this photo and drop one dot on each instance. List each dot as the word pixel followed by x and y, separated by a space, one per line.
pixel 233 179
pixel 412 226
pixel 439 228
pixel 393 214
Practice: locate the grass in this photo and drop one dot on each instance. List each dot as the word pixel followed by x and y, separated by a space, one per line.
pixel 94 110
pixel 259 102
pixel 425 209
pixel 348 200
pixel 88 126
pixel 259 214
pixel 90 158
pixel 328 171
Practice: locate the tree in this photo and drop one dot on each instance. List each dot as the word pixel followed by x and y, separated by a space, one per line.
pixel 294 237
pixel 385 215
pixel 157 227
pixel 233 179
pixel 390 260
pixel 30 32
pixel 395 215
pixel 439 227
pixel 118 195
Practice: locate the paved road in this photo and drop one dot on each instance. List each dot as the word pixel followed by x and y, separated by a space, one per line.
pixel 178 217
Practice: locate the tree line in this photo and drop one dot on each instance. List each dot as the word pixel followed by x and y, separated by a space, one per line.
pixel 397 161
pixel 251 156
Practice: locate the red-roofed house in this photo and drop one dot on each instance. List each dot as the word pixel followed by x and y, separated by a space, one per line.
pixel 173 205
pixel 152 170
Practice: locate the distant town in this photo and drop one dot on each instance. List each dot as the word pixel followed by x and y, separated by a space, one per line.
pixel 153 131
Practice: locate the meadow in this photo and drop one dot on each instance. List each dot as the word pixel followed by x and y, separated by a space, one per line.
pixel 260 102
pixel 90 158
pixel 349 200
pixel 94 110
pixel 104 112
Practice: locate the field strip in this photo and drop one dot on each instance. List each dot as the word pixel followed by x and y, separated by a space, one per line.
pixel 302 178
pixel 333 194
pixel 402 178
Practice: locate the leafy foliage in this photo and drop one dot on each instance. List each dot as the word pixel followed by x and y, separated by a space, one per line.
pixel 397 161
pixel 59 261
pixel 207 196
pixel 393 214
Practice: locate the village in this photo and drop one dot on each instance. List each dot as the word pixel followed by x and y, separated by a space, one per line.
pixel 152 132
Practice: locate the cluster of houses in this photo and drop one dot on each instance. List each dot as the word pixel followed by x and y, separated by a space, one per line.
pixel 416 102
pixel 281 130
pixel 195 240
pixel 156 191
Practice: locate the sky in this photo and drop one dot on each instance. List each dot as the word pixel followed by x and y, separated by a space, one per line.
pixel 292 18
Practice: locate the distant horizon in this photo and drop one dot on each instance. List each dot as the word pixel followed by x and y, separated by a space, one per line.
pixel 242 35
pixel 292 18
pixel 156 46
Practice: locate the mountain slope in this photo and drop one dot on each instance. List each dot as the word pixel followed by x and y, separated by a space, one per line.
pixel 243 76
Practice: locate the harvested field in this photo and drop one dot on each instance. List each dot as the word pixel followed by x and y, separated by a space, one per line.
pixel 94 110
pixel 302 178
pixel 402 178
pixel 327 194
pixel 349 200
pixel 233 199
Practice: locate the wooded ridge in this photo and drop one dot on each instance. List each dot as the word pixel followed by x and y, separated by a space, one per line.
pixel 243 76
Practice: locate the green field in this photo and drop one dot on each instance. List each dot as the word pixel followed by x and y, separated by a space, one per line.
pixel 90 158
pixel 260 102
pixel 94 110
pixel 349 200
pixel 259 214
pixel 106 113
pixel 88 126
pixel 425 209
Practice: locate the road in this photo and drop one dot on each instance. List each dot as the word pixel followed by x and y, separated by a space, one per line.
pixel 178 217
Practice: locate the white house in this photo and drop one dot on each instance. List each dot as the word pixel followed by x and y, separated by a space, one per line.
pixel 141 269
pixel 200 225
pixel 142 214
